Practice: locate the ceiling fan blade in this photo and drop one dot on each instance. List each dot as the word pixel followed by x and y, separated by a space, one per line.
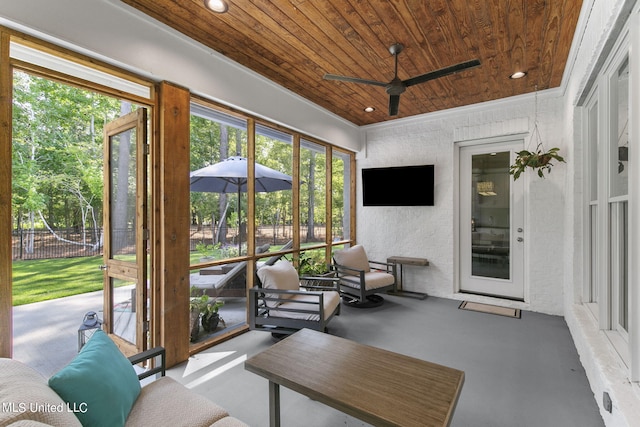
pixel 441 72
pixel 394 101
pixel 354 80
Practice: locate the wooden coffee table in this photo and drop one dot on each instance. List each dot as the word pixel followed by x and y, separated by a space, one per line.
pixel 377 386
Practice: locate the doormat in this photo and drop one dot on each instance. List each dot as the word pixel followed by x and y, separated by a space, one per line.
pixel 491 309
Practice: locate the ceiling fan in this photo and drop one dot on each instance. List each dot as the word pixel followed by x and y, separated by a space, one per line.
pixel 396 86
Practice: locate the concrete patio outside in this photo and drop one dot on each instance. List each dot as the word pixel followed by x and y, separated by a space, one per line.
pixel 45 334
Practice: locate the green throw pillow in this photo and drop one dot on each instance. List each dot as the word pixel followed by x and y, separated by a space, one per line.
pixel 99 385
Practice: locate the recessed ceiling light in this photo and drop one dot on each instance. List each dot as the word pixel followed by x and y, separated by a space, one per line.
pixel 369 109
pixel 217 6
pixel 518 75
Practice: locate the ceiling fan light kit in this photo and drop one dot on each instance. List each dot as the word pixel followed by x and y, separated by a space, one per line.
pixel 396 86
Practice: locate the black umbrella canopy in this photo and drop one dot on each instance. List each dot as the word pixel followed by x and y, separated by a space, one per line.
pixel 230 176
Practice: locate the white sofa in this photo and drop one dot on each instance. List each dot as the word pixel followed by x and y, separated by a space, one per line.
pixel 26 400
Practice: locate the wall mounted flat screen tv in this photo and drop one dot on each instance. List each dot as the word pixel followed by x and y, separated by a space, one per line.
pixel 398 186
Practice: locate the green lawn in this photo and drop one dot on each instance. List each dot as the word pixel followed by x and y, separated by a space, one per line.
pixel 41 280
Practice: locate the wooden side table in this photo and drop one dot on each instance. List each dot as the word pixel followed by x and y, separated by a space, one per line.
pixel 401 261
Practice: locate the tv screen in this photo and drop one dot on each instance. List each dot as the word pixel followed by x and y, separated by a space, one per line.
pixel 398 186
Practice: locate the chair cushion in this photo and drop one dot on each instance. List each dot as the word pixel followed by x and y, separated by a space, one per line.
pixel 281 275
pixel 101 380
pixel 229 422
pixel 372 280
pixel 30 423
pixel 330 299
pixel 354 257
pixel 165 402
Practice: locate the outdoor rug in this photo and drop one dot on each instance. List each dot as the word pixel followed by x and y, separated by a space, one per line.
pixel 491 309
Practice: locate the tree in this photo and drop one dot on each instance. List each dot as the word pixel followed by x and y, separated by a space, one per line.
pixel 223 204
pixel 57 152
pixel 311 223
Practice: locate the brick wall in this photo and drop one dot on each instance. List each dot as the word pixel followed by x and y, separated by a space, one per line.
pixel 429 231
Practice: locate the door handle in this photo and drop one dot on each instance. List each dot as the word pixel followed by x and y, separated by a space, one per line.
pixel 103 267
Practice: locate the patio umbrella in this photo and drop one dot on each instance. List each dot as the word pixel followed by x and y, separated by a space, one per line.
pixel 230 176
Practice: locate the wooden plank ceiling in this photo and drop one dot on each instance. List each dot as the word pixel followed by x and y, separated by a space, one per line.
pixel 296 42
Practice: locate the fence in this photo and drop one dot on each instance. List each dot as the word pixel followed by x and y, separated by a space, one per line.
pixel 69 243
pixel 42 244
pixel 264 234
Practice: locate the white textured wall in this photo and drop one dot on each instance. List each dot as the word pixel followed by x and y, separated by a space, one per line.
pixel 429 231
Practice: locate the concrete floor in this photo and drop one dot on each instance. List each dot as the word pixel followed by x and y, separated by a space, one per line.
pixel 519 372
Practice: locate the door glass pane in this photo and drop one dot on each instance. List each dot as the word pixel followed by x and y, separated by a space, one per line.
pixel 123 196
pixel 490 215
pixel 620 146
pixel 124 309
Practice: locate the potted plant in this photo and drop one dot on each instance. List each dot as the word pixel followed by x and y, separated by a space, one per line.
pixel 204 311
pixel 312 266
pixel 539 160
pixel 210 316
pixel 194 317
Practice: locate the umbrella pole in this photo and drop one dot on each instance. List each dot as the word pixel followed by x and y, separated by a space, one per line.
pixel 239 222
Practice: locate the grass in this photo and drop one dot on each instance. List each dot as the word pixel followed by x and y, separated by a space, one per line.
pixel 42 280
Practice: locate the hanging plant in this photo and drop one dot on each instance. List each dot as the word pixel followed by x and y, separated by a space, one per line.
pixel 539 160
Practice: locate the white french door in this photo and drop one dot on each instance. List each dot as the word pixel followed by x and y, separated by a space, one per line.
pixel 491 221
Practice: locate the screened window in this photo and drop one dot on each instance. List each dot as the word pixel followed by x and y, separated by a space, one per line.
pixel 313 190
pixel 274 188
